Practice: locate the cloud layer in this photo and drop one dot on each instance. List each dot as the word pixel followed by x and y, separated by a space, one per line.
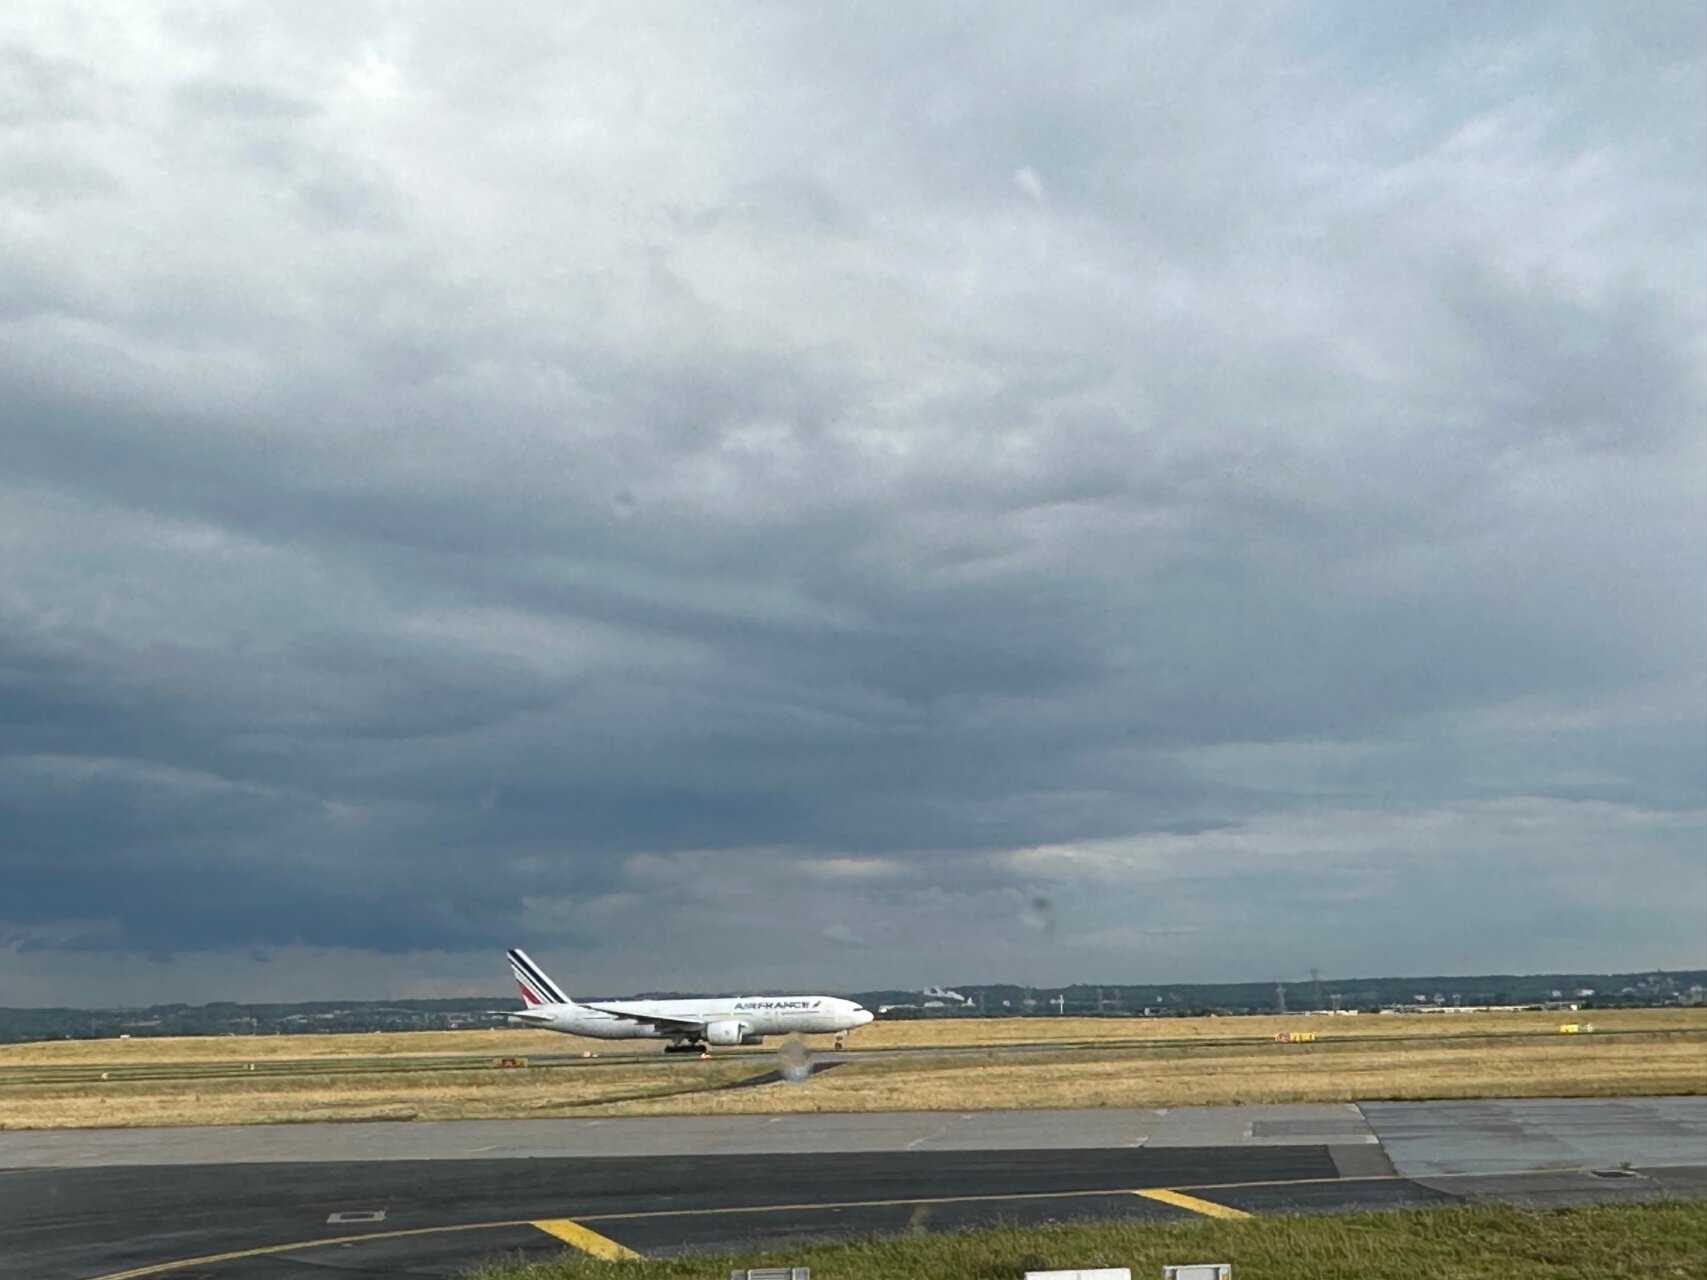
pixel 768 497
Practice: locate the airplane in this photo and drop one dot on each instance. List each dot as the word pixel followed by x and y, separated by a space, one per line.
pixel 689 1025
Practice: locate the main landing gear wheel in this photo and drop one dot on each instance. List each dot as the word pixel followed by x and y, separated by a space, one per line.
pixel 681 1046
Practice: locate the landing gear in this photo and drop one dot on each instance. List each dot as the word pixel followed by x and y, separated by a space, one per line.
pixel 685 1046
pixel 841 1041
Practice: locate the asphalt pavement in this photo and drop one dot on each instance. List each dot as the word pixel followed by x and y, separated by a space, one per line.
pixel 277 1202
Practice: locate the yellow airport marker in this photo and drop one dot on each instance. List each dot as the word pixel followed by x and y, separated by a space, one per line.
pixel 587 1241
pixel 1182 1201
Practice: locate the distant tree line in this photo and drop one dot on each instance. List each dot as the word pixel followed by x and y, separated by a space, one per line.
pixel 1113 1000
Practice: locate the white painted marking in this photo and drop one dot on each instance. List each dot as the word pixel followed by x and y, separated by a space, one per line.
pixel 357 1215
pixel 932 1136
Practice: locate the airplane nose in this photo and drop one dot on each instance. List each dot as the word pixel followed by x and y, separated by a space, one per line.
pixel 865 1016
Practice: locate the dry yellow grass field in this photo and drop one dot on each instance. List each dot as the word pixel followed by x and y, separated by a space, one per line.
pixel 1556 1067
pixel 1093 1063
pixel 461 1095
pixel 274 1048
pixel 999 1031
pixel 942 1033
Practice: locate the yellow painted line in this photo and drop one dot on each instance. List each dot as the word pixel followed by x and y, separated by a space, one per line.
pixel 1086 1193
pixel 1182 1201
pixel 262 1251
pixel 1171 1197
pixel 587 1241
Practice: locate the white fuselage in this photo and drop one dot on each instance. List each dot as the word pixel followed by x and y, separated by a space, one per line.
pixel 722 1020
pixel 728 1020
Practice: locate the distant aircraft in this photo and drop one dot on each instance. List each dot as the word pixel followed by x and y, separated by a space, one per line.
pixel 944 997
pixel 933 998
pixel 689 1025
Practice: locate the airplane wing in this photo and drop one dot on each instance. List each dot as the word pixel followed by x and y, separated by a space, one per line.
pixel 686 1026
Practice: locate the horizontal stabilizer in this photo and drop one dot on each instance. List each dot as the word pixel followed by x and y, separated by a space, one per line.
pixel 533 1017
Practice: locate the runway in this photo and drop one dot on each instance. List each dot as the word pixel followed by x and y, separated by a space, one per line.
pixel 372 1200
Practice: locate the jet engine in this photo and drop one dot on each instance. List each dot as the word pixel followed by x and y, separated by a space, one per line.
pixel 730 1031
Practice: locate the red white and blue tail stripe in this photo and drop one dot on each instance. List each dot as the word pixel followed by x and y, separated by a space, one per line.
pixel 536 987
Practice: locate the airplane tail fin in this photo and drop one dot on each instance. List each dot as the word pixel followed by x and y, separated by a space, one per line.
pixel 536 987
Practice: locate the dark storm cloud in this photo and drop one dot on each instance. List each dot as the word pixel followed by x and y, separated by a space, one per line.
pixel 1225 474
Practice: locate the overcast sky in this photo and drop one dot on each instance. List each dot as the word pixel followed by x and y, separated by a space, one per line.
pixel 761 495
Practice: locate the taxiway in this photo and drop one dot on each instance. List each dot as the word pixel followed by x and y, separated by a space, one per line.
pixel 416 1199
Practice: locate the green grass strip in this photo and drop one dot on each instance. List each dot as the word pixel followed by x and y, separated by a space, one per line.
pixel 1603 1242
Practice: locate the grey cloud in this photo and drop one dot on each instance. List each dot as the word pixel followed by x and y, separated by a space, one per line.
pixel 46 178
pixel 1539 361
pixel 487 502
pixel 842 936
pixel 782 204
pixel 37 88
pixel 201 98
